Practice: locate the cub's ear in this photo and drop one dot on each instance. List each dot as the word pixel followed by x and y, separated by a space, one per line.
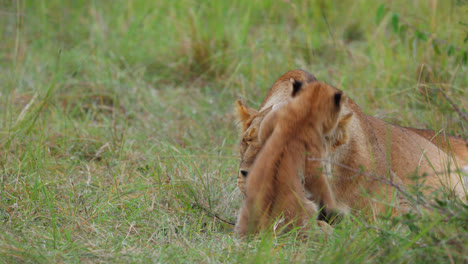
pixel 341 135
pixel 244 114
pixel 296 86
pixel 338 98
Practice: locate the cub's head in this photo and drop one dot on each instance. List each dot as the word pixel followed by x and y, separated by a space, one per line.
pixel 317 104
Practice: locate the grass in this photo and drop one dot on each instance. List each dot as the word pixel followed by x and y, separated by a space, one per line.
pixel 118 142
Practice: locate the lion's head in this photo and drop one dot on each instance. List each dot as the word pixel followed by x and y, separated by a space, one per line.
pixel 250 119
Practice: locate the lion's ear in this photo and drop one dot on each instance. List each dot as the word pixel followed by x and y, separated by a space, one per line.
pixel 244 114
pixel 296 86
pixel 338 98
pixel 341 132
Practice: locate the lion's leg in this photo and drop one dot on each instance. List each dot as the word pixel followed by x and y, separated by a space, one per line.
pixel 316 183
pixel 307 221
pixel 242 225
pixel 319 187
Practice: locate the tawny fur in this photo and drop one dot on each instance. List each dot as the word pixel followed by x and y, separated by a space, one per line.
pixel 380 151
pixel 289 134
pixel 452 145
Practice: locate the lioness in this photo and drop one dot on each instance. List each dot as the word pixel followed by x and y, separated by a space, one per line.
pixel 372 147
pixel 288 134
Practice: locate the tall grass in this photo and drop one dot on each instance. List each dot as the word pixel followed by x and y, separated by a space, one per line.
pixel 118 142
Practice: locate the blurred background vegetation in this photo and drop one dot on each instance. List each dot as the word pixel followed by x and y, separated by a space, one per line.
pixel 118 141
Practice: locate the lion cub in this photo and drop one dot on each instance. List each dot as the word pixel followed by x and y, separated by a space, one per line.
pixel 290 134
